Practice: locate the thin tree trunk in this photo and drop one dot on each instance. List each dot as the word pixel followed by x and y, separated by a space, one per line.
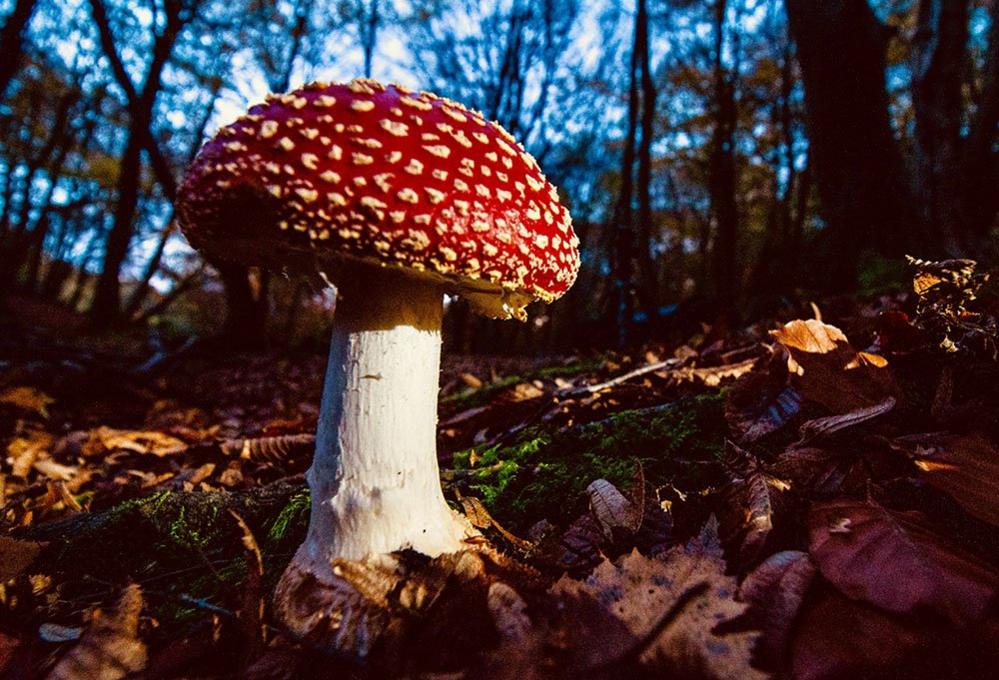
pixel 370 36
pixel 142 289
pixel 622 272
pixel 107 300
pixel 937 103
pixel 12 41
pixel 647 264
pixel 722 176
pixel 108 295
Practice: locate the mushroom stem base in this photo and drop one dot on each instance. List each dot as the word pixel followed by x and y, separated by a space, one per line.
pixel 374 481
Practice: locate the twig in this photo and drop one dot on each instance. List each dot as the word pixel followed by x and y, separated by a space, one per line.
pixel 636 650
pixel 625 377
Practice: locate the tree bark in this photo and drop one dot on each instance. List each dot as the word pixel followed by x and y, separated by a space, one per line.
pixel 621 307
pixel 723 176
pixel 107 300
pixel 12 41
pixel 856 163
pixel 647 264
pixel 980 159
pixel 938 68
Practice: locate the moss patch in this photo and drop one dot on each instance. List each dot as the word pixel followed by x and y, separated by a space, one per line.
pixel 544 475
pixel 173 544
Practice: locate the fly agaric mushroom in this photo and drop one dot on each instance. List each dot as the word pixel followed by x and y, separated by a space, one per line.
pixel 397 197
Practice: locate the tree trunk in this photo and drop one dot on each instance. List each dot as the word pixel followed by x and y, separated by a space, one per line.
pixel 107 301
pixel 647 264
pixel 621 307
pixel 723 177
pixel 980 160
pixel 246 306
pixel 12 40
pixel 856 163
pixel 937 81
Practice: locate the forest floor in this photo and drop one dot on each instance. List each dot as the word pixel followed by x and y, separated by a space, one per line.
pixel 810 498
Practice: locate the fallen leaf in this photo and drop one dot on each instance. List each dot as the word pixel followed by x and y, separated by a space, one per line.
pixel 827 370
pixel 54 470
pixel 895 561
pixel 24 451
pixel 818 428
pixel 27 399
pixel 251 611
pixel 639 590
pixel 612 509
pixel 748 515
pixel 105 439
pixel 762 401
pixel 775 591
pixel 964 466
pixel 471 381
pixel 110 649
pixel 278 449
pixel 812 470
pixel 835 637
pixel 712 376
pixel 17 556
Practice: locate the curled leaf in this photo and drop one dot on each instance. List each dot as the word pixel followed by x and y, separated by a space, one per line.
pixel 827 370
pixel 110 649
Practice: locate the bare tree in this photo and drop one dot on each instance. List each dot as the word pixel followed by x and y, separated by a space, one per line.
pixel 140 101
pixel 12 40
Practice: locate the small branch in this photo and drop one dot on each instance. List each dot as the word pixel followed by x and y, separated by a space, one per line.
pixel 635 651
pixel 650 368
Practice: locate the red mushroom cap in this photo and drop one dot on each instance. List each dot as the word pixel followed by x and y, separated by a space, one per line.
pixel 382 174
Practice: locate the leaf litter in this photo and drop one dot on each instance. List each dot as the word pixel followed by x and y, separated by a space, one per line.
pixel 853 481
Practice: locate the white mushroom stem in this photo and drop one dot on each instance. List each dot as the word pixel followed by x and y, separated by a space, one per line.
pixel 374 481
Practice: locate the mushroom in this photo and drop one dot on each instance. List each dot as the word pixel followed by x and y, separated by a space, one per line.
pixel 396 197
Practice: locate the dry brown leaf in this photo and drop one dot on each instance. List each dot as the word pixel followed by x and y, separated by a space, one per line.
pixel 277 449
pixel 810 469
pixel 54 470
pixel 895 561
pixel 775 591
pixel 471 381
pixel 105 439
pixel 27 399
pixel 480 518
pixel 639 590
pixel 748 515
pixel 964 466
pixel 712 376
pixel 762 401
pixel 17 555
pixel 827 370
pixel 819 428
pixel 612 509
pixel 509 612
pixel 251 613
pixel 24 451
pixel 110 649
pixel 370 600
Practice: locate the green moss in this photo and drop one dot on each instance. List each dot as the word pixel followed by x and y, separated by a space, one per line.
pixel 544 475
pixel 178 544
pixel 293 515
